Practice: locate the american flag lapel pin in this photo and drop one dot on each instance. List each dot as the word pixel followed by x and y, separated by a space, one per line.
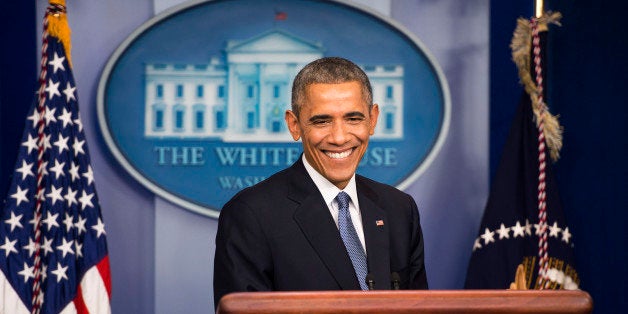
pixel 379 223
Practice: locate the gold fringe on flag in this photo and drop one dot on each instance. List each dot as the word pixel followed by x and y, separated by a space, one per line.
pixel 58 27
pixel 521 46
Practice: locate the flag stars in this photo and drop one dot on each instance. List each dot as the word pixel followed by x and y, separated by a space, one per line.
pixel 78 122
pixel 60 272
pixel 528 228
pixel 34 117
pixel 79 248
pixel 55 195
pixel 14 221
pixel 20 195
pixel 8 246
pixel 69 92
pixel 503 232
pixel 89 175
pixel 86 200
pixel 80 225
pixel 100 228
pixel 52 88
pixel 543 228
pixel 521 231
pixel 49 115
pixel 44 275
pixel 78 147
pixel 57 63
pixel 62 143
pixel 74 169
pixel 35 220
pixel 41 194
pixel 31 143
pixel 538 231
pixel 517 230
pixel 45 142
pixel 42 168
pixel 47 246
pixel 27 272
pixel 566 235
pixel 488 236
pixel 70 196
pixel 66 117
pixel 68 222
pixel 66 247
pixel 58 169
pixel 477 245
pixel 31 247
pixel 26 170
pixel 51 220
pixel 554 230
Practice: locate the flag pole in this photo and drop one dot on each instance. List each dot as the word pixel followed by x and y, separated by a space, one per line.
pixel 538 8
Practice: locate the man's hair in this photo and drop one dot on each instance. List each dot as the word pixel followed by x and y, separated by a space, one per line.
pixel 329 70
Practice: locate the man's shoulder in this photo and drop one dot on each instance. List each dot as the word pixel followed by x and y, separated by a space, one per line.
pixel 274 190
pixel 384 195
pixel 378 187
pixel 275 184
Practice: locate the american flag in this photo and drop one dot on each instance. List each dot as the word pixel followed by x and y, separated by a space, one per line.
pixel 53 248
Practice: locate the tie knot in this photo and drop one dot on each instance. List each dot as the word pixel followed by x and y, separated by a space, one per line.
pixel 343 199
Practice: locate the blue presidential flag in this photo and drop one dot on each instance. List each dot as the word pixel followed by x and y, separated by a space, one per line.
pixel 523 222
pixel 53 248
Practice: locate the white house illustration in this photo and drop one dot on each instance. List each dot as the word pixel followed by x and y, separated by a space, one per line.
pixel 244 99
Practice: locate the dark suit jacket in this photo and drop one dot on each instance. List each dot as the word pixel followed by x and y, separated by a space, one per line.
pixel 280 235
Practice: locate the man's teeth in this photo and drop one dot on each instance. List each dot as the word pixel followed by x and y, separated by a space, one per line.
pixel 339 155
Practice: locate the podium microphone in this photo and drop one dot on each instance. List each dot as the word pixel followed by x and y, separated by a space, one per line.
pixel 370 281
pixel 395 279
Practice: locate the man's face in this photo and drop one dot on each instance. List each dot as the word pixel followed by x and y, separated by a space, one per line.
pixel 334 125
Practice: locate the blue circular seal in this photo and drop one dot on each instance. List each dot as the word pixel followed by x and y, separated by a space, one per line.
pixel 192 103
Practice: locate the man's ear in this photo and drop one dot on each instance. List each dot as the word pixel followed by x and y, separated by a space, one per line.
pixel 374 114
pixel 293 125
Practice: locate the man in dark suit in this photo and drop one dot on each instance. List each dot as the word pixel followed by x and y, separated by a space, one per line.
pixel 317 225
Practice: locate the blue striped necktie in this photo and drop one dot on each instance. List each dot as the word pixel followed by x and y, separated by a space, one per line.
pixel 350 238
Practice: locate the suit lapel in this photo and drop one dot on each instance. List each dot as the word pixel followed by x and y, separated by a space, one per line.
pixel 376 235
pixel 316 223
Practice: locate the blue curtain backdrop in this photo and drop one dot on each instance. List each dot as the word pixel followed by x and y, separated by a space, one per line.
pixel 18 75
pixel 587 80
pixel 588 89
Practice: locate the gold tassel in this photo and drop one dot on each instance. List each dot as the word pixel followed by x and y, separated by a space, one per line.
pixel 520 282
pixel 58 27
pixel 521 45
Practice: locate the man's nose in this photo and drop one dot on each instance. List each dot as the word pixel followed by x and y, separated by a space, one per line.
pixel 338 133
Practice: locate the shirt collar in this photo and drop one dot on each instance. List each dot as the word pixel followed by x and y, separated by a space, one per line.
pixel 328 189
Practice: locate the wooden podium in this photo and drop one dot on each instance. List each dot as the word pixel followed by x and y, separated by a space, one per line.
pixel 389 302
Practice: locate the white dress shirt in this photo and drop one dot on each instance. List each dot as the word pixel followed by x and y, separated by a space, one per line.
pixel 330 191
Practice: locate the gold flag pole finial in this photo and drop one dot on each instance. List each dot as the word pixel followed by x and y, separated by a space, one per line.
pixel 58 25
pixel 538 8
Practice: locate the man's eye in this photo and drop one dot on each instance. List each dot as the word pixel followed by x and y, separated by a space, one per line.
pixel 320 122
pixel 355 119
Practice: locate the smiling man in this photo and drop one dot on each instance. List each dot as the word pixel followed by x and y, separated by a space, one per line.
pixel 317 225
